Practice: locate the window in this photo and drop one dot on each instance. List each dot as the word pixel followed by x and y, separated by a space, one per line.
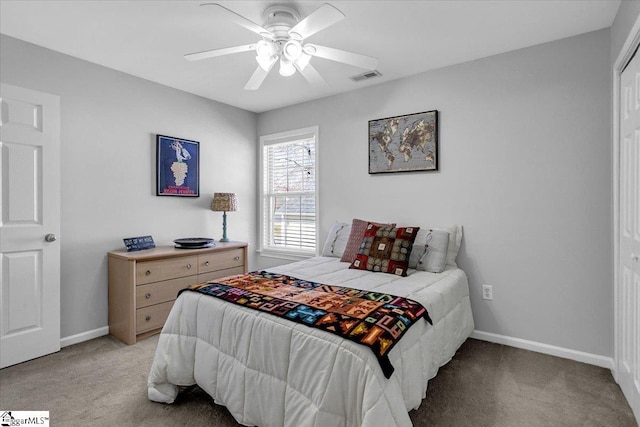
pixel 289 197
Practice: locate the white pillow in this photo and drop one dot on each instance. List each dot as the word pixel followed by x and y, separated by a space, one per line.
pixel 337 240
pixel 455 238
pixel 429 251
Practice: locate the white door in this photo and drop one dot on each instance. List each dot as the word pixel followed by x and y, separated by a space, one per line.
pixel 628 292
pixel 30 205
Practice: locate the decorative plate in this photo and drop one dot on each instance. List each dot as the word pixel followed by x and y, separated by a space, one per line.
pixel 193 241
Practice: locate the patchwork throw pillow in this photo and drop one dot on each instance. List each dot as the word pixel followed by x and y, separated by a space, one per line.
pixel 385 249
pixel 358 227
pixel 429 252
pixel 336 240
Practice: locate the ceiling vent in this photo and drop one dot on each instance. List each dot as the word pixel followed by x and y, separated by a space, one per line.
pixel 366 75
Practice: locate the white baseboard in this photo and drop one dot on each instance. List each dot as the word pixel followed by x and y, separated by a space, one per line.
pixel 84 336
pixel 578 356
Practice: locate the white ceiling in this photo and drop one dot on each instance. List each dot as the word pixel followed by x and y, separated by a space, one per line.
pixel 148 38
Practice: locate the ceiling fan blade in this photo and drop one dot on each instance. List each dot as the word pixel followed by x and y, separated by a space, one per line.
pixel 312 76
pixel 258 77
pixel 241 20
pixel 196 56
pixel 323 17
pixel 362 61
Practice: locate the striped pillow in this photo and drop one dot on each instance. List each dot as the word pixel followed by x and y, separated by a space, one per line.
pixel 358 227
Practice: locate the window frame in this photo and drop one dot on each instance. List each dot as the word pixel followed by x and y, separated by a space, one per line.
pixel 278 138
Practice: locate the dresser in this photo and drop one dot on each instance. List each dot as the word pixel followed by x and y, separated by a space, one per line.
pixel 144 284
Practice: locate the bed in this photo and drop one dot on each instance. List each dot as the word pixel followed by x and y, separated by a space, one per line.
pixel 269 371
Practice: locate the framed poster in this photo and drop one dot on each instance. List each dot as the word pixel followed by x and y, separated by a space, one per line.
pixel 177 167
pixel 404 143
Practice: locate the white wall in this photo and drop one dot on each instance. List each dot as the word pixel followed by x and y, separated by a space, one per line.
pixel 625 18
pixel 109 121
pixel 525 167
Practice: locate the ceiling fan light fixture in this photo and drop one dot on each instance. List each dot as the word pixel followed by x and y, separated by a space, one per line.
pixel 286 67
pixel 266 63
pixel 265 49
pixel 292 50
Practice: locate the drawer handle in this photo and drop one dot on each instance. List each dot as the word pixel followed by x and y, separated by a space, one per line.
pixel 188 266
pixel 237 258
pixel 147 296
pixel 206 263
pixel 147 318
pixel 147 273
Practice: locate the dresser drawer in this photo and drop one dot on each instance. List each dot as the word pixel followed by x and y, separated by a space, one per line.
pixel 220 260
pixel 163 269
pixel 154 293
pixel 213 275
pixel 152 317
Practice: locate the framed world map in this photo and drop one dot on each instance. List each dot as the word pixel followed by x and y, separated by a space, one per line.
pixel 404 143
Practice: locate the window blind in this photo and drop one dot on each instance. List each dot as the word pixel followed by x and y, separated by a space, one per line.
pixel 289 205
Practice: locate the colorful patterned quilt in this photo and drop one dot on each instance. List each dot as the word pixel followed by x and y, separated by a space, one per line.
pixel 373 319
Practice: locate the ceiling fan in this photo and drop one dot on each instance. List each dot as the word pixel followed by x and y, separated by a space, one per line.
pixel 283 35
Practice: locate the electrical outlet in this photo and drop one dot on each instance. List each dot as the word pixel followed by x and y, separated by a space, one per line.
pixel 487 292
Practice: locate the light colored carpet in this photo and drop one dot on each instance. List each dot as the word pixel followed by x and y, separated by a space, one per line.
pixel 102 382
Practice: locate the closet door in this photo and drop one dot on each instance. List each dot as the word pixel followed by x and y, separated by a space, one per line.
pixel 628 292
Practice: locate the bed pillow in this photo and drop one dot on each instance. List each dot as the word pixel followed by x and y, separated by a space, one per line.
pixel 358 227
pixel 455 239
pixel 429 251
pixel 385 249
pixel 336 240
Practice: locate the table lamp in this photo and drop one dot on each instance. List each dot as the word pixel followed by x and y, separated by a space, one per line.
pixel 224 202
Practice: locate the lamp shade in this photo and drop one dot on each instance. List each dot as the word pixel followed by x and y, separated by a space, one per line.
pixel 224 202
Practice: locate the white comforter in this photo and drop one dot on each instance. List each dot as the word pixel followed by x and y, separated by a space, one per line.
pixel 271 372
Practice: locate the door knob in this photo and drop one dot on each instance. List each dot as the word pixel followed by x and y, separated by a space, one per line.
pixel 634 257
pixel 50 237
